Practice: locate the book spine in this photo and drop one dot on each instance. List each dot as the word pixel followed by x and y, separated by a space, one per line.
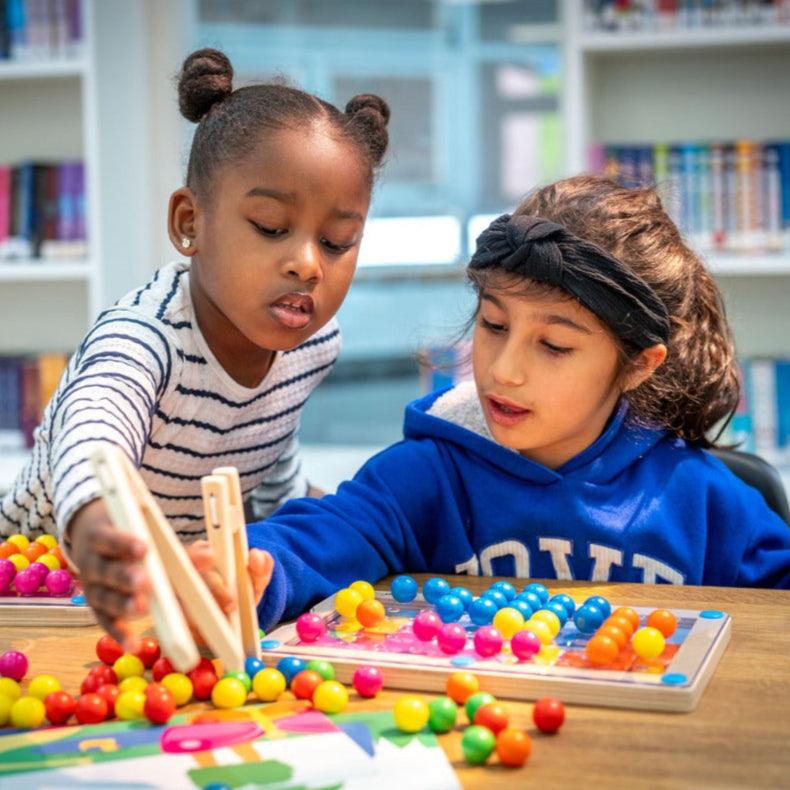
pixel 764 408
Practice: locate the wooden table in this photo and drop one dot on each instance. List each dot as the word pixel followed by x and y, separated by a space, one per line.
pixel 739 735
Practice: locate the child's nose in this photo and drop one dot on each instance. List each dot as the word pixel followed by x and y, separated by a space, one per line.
pixel 508 367
pixel 305 262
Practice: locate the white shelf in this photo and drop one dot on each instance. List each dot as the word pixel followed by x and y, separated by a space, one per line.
pixel 744 265
pixel 45 271
pixel 627 41
pixel 44 69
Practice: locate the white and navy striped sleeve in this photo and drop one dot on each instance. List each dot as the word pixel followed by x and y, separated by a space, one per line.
pixel 284 481
pixel 117 377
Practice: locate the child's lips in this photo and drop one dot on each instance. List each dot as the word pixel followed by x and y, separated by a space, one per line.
pixel 293 310
pixel 505 412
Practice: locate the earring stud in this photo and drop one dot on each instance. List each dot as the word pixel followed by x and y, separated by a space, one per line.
pixel 186 243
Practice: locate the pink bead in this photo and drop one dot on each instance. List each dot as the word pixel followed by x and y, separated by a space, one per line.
pixel 39 569
pixel 368 681
pixel 426 625
pixel 27 583
pixel 13 664
pixel 524 644
pixel 310 627
pixel 59 582
pixel 452 638
pixel 488 641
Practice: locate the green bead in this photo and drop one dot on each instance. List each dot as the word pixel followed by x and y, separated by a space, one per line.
pixel 324 668
pixel 476 701
pixel 477 744
pixel 443 712
pixel 242 676
pixel 261 633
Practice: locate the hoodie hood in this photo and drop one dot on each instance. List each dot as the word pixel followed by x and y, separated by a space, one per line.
pixel 455 415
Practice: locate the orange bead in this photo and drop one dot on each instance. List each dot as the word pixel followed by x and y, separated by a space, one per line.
pixel 34 551
pixel 7 549
pixel 664 621
pixel 461 686
pixel 602 650
pixel 493 715
pixel 615 633
pixel 304 683
pixel 513 747
pixel 370 613
pixel 629 614
pixel 623 623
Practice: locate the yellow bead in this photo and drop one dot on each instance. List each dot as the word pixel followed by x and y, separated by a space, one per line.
pixel 41 685
pixel 507 621
pixel 50 541
pixel 229 693
pixel 540 629
pixel 5 709
pixel 346 602
pixel 132 683
pixel 50 560
pixel 365 589
pixel 268 684
pixel 411 714
pixel 27 713
pixel 10 688
pixel 551 620
pixel 20 561
pixel 129 705
pixel 20 541
pixel 331 696
pixel 180 687
pixel 128 665
pixel 648 642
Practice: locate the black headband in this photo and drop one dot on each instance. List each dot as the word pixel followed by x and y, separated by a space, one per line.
pixel 546 252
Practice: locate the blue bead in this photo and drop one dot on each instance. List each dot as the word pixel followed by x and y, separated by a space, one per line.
pixel 270 644
pixel 540 590
pixel 78 599
pixel 505 587
pixel 498 597
pixel 482 611
pixel 252 666
pixel 674 678
pixel 566 601
pixel 532 599
pixel 558 609
pixel 449 608
pixel 588 618
pixel 434 589
pixel 290 666
pixel 462 661
pixel 465 594
pixel 711 614
pixel 522 606
pixel 404 589
pixel 601 603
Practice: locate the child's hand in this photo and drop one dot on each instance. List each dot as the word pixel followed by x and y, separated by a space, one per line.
pixel 260 565
pixel 113 578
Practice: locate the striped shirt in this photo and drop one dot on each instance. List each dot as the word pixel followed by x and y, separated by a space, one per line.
pixel 145 379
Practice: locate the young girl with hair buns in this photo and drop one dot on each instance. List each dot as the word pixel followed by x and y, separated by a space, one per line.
pixel 209 363
pixel 602 363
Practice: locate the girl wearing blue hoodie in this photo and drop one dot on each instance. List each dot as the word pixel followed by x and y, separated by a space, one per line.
pixel 602 363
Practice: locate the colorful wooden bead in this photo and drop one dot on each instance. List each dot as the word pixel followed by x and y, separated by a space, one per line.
pixel 130 705
pixel 310 626
pixel 540 629
pixel 540 590
pixel 493 715
pixel 487 641
pixel 404 589
pixel 434 589
pixel 268 684
pixel 370 613
pixel 461 686
pixel 128 665
pixel 289 666
pixel 91 708
pixel 426 625
pixel 322 667
pixel 365 589
pixel 482 611
pixel 330 697
pixel 477 743
pixel 42 685
pixel 451 638
pixel 27 713
pixel 664 621
pixel 159 704
pixel 442 714
pixel 513 747
pixel 525 644
pixel 550 618
pixel 601 650
pixel 450 608
pixel 602 604
pixel 507 621
pixel 229 692
pixel 180 687
pixel 648 642
pixel 13 664
pixel 367 681
pixel 475 701
pixel 548 714
pixel 305 683
pixel 59 706
pixel 411 714
pixel 506 588
pixel 588 618
pixel 347 601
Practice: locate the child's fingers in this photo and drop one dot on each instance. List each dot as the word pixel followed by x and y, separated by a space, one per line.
pixel 106 540
pixel 202 556
pixel 261 566
pixel 113 603
pixel 122 575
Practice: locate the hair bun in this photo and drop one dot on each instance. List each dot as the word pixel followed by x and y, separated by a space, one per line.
pixel 206 78
pixel 369 114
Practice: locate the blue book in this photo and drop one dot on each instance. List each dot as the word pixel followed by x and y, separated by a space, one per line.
pixel 741 428
pixel 782 379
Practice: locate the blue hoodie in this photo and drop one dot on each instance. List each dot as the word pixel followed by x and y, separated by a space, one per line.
pixel 638 505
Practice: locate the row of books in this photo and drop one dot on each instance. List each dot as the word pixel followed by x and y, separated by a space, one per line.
pixel 42 211
pixel 762 422
pixel 36 30
pixel 26 385
pixel 731 197
pixel 665 15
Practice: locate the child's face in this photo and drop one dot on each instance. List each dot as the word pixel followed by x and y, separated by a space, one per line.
pixel 277 246
pixel 546 372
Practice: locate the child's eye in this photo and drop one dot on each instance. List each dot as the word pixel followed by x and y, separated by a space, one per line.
pixel 491 327
pixel 337 249
pixel 271 233
pixel 558 350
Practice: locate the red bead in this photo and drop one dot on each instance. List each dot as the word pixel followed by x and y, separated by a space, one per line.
pixel 108 650
pixel 548 714
pixel 159 704
pixel 161 667
pixel 110 692
pixel 493 715
pixel 203 681
pixel 204 663
pixel 59 706
pixel 148 651
pixel 104 673
pixel 304 683
pixel 91 709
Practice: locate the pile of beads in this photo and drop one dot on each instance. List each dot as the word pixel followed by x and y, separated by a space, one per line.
pixel 355 602
pixel 26 567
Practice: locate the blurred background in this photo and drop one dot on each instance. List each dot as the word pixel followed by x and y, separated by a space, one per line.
pixel 489 99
